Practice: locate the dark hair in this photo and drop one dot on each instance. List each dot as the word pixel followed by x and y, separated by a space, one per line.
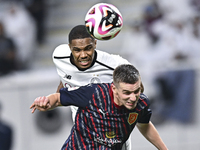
pixel 125 73
pixel 79 32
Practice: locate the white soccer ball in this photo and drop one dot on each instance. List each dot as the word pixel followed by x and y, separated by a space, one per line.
pixel 103 21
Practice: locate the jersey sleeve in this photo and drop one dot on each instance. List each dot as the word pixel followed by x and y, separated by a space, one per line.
pixel 118 60
pixel 79 97
pixel 146 112
pixel 61 56
pixel 111 60
pixel 61 50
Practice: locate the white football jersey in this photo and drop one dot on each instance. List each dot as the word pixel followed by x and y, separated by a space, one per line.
pixel 100 72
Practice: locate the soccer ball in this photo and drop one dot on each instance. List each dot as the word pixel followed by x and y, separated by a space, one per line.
pixel 103 21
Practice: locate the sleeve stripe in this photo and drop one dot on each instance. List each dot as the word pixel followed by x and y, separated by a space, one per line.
pixel 104 97
pixel 56 57
pixel 105 65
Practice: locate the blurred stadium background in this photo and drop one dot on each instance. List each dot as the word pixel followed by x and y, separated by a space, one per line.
pixel 178 125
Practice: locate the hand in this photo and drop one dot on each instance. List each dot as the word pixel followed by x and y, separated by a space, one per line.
pixel 40 103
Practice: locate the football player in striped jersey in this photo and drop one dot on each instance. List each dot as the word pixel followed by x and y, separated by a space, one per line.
pixel 107 113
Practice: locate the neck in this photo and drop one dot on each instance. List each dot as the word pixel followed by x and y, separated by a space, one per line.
pixel 116 101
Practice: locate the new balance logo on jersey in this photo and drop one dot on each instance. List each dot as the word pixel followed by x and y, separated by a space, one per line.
pixel 68 76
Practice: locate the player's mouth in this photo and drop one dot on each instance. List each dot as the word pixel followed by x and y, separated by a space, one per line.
pixel 131 104
pixel 84 62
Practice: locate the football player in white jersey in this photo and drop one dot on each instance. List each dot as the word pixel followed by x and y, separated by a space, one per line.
pixel 79 63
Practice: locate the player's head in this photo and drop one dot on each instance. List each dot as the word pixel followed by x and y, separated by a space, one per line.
pixel 82 46
pixel 79 32
pixel 125 73
pixel 126 86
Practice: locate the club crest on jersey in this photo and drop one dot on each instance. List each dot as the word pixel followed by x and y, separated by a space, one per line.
pixel 95 80
pixel 132 118
pixel 110 134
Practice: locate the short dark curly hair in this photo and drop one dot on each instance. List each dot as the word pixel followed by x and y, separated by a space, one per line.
pixel 79 32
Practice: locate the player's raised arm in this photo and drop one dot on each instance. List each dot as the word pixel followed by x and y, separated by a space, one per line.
pixel 45 103
pixel 151 134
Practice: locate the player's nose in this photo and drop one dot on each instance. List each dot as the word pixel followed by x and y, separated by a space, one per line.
pixel 83 54
pixel 133 97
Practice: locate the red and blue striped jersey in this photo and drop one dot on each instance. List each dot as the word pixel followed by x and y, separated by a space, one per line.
pixel 100 123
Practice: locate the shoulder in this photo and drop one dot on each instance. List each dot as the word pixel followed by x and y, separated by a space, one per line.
pixel 144 100
pixel 62 50
pixel 111 60
pixel 103 56
pixel 102 89
pixel 94 87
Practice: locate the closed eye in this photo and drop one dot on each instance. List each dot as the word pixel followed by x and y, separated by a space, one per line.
pixel 76 49
pixel 89 47
pixel 126 92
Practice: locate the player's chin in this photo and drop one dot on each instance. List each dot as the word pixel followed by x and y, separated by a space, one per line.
pixel 130 106
pixel 84 65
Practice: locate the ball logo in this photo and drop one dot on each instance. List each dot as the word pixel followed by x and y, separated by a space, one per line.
pixel 132 118
pixel 110 134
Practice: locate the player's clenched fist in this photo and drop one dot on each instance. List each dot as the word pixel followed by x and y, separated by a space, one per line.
pixel 41 103
pixel 45 103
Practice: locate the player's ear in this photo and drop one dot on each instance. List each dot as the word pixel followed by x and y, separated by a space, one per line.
pixel 113 88
pixel 69 46
pixel 95 43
